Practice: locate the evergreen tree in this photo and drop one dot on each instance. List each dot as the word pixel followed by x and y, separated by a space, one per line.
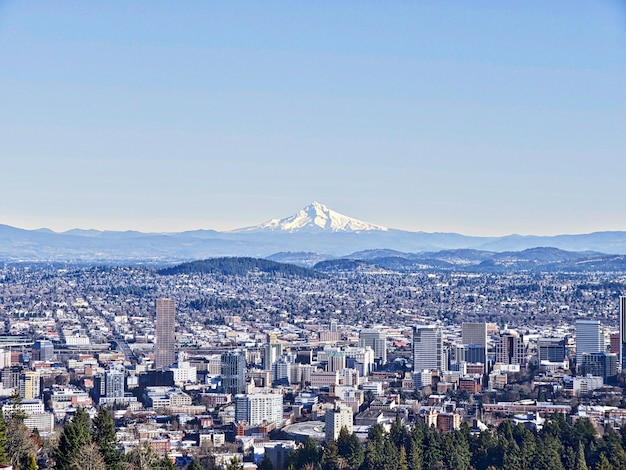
pixel 484 450
pixel 457 453
pixel 403 463
pixel 581 463
pixel 4 457
pixel 604 464
pixel 104 437
pixel 350 448
pixel 433 450
pixel 77 432
pixel 330 457
pixel 307 454
pixel 415 443
pixel 374 451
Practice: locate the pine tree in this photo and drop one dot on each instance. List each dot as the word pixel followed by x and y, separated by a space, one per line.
pixel 604 464
pixel 350 448
pixel 77 432
pixel 581 463
pixel 104 437
pixel 330 456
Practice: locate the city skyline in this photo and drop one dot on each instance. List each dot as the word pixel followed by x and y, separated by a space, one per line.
pixel 483 119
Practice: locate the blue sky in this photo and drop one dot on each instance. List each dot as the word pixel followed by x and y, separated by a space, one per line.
pixel 482 117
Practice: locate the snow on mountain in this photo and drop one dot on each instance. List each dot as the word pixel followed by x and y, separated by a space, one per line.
pixel 315 217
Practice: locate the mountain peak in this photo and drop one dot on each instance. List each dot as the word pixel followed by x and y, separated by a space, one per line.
pixel 314 218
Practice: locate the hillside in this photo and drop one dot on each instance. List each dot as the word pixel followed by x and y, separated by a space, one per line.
pixel 234 266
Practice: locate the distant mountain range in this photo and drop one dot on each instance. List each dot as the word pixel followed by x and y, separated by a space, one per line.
pixel 315 233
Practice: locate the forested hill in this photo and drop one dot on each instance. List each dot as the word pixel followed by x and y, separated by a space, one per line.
pixel 235 266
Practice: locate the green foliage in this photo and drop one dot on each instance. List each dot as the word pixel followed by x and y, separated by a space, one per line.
pixel 4 457
pixel 350 449
pixel 104 437
pixel 240 266
pixel 77 432
pixel 306 455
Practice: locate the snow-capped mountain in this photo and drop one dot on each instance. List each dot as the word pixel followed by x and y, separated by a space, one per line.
pixel 315 217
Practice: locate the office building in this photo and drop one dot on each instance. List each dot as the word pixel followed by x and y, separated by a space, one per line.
pixel 43 350
pixel 336 418
pixel 30 384
pixel 589 339
pixel 510 348
pixel 256 408
pixel 336 361
pixel 476 334
pixel 233 371
pixel 551 349
pixel 427 348
pixel 600 364
pixel 271 353
pixel 165 333
pixel 377 340
pixel 114 383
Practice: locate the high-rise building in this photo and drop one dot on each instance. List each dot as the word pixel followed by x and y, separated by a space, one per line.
pixel 233 371
pixel 165 333
pixel 271 353
pixel 589 339
pixel 476 333
pixel 258 407
pixel 377 340
pixel 427 348
pixel 43 350
pixel 551 349
pixel 30 384
pixel 622 332
pixel 510 348
pixel 336 361
pixel 336 418
pixel 114 383
pixel 601 364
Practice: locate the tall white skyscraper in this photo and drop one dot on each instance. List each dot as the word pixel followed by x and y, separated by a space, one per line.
pixel 165 333
pixel 589 339
pixel 427 348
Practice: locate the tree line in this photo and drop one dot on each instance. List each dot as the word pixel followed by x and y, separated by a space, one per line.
pixel 84 444
pixel 559 445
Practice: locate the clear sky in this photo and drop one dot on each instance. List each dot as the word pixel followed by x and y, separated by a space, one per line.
pixel 477 117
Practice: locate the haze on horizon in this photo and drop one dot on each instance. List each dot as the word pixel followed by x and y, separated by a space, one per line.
pixel 481 118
